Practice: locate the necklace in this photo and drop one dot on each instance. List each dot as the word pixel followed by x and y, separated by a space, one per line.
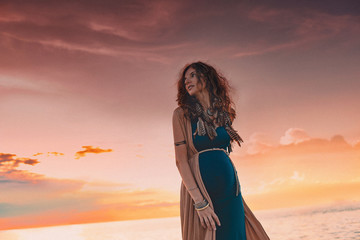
pixel 205 126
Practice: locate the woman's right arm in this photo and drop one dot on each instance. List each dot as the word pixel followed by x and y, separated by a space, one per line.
pixel 182 162
pixel 207 215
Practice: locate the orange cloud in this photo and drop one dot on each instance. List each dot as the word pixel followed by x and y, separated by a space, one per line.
pixel 8 161
pixel 76 206
pixel 90 149
pixel 34 200
pixel 100 214
pixel 305 194
pixel 55 153
pixel 49 153
pixel 303 171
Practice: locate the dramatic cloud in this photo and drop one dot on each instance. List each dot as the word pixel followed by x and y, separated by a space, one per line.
pixel 104 72
pixel 150 31
pixel 122 31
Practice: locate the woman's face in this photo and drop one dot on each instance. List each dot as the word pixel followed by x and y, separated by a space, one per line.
pixel 192 83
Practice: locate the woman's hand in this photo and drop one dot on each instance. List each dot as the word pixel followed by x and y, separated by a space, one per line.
pixel 208 218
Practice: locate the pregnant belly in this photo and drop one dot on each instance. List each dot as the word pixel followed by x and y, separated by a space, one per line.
pixel 217 174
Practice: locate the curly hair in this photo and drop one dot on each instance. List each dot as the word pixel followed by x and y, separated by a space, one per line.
pixel 216 84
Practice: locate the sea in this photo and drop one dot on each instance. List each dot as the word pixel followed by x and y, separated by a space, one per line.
pixel 335 221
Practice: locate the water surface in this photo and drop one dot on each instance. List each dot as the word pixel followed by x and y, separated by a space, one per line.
pixel 315 223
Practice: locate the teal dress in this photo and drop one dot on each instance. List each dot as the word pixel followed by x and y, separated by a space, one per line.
pixel 219 179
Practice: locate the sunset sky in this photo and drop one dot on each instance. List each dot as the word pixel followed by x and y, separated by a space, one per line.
pixel 88 88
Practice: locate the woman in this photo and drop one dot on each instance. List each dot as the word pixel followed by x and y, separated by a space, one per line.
pixel 211 205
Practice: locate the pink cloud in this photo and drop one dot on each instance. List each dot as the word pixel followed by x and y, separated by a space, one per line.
pixel 294 135
pixel 303 28
pixel 258 143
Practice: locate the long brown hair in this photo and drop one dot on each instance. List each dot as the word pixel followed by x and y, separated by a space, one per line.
pixel 216 84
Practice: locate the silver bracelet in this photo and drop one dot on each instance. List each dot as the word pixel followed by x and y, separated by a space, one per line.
pixel 199 209
pixel 201 204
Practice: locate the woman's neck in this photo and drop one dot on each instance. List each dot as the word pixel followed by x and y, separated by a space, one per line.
pixel 204 99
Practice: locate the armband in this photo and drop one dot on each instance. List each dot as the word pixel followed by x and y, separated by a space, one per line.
pixel 179 143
